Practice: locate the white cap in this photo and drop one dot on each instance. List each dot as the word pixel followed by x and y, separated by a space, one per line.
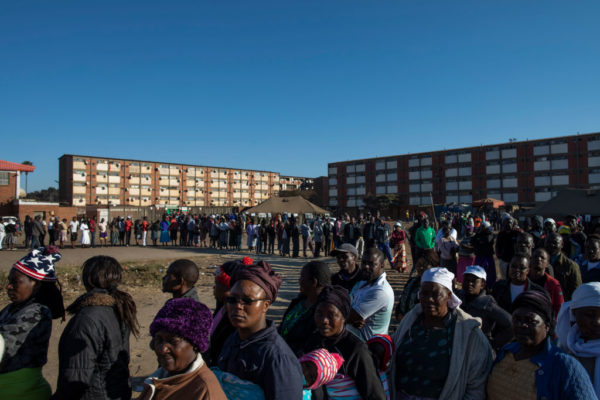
pixel 486 224
pixel 477 271
pixel 398 224
pixel 443 277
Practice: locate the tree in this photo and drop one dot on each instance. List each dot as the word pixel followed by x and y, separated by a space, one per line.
pixel 26 173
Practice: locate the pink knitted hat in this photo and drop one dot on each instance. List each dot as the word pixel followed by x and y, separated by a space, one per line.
pixel 327 365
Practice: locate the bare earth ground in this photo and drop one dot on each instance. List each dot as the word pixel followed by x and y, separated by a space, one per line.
pixel 144 267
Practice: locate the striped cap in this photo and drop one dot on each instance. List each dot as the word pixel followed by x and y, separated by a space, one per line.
pixel 327 366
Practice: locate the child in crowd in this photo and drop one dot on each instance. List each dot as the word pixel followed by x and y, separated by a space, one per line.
pixel 382 348
pixel 319 367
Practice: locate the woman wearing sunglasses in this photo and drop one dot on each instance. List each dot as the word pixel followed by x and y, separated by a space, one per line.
pixel 256 352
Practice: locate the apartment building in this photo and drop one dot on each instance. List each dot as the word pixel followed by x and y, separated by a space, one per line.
pixel 91 180
pixel 522 172
pixel 292 183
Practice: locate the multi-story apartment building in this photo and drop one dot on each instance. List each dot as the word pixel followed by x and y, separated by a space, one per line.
pixel 523 172
pixel 91 180
pixel 295 183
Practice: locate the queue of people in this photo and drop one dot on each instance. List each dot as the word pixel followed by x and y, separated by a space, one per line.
pixel 519 336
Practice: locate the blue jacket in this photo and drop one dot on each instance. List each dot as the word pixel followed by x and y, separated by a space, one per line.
pixel 560 375
pixel 266 360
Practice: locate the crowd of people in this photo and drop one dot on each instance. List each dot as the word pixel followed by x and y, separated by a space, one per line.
pixel 467 328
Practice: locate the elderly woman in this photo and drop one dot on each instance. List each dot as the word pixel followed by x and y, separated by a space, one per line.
pixel 298 322
pixel 26 324
pixel 256 352
pixel 409 297
pixel 179 334
pixel 331 313
pixel 533 367
pixel 578 331
pixel 441 352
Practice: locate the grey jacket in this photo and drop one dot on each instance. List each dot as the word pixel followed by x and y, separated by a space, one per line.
pixel 26 329
pixel 470 362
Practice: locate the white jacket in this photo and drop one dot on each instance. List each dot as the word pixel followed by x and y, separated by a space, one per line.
pixel 470 362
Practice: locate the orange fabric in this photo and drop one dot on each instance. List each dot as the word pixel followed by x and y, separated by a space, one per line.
pixel 201 384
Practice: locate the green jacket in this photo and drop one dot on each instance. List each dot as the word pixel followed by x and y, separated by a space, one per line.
pixel 566 271
pixel 425 238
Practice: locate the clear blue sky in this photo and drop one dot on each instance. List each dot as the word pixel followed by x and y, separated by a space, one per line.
pixel 289 86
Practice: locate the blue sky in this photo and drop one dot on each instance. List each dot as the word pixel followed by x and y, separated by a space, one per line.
pixel 289 86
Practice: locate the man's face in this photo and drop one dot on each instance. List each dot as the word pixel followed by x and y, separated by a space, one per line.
pixel 553 244
pixel 373 265
pixel 549 227
pixel 346 261
pixel 572 224
pixel 170 283
pixel 592 250
pixel 524 244
pixel 539 263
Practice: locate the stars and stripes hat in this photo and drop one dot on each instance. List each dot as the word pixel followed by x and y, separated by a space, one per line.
pixel 39 264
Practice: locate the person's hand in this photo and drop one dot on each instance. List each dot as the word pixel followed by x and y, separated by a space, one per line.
pixel 358 324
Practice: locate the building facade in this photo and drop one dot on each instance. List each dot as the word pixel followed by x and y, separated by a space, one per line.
pixel 523 172
pixel 90 180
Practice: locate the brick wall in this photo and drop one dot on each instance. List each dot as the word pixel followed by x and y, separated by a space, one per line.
pixel 9 192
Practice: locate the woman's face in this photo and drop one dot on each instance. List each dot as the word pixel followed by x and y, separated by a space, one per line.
pixel 220 291
pixel 329 320
pixel 529 327
pixel 588 321
pixel 173 352
pixel 247 305
pixel 20 287
pixel 434 299
pixel 307 285
pixel 421 267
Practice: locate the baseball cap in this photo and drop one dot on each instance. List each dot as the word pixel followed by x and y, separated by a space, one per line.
pixel 477 271
pixel 345 248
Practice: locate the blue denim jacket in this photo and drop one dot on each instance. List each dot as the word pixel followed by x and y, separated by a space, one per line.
pixel 560 375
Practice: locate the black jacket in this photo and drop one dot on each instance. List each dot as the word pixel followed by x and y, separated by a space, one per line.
pixel 501 292
pixel 358 364
pixel 266 360
pixel 301 330
pixel 93 352
pixel 496 323
pixel 217 339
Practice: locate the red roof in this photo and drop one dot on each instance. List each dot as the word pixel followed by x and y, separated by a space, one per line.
pixel 13 166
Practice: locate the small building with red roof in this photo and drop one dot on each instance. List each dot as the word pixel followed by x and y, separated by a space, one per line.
pixel 10 180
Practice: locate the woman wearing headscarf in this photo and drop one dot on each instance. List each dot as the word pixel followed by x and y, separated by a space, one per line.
pixel 298 321
pixel 26 325
pixel 358 371
pixel 222 328
pixel 578 331
pixel 256 352
pixel 533 367
pixel 441 352
pixel 93 351
pixel 179 335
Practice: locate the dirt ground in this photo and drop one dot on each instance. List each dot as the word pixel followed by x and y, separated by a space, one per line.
pixel 144 267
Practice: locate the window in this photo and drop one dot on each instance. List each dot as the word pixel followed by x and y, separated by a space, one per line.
pixel 380 165
pixel 464 157
pixel 4 178
pixel 391 164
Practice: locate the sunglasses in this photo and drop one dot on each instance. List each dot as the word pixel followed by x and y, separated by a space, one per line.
pixel 244 300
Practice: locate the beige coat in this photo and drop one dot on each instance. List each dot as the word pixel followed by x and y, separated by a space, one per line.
pixel 470 362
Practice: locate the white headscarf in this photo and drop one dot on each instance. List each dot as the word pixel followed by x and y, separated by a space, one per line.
pixel 443 277
pixel 569 335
